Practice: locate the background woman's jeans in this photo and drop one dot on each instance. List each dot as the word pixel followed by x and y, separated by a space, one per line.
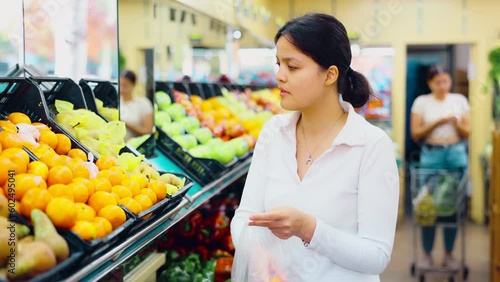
pixel 439 157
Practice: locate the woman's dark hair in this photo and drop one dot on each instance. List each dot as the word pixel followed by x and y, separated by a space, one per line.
pixel 436 70
pixel 324 38
pixel 130 75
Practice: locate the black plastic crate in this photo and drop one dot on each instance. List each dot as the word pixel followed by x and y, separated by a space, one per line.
pixel 25 96
pixel 201 170
pixel 147 148
pixel 88 95
pixel 104 90
pixel 163 206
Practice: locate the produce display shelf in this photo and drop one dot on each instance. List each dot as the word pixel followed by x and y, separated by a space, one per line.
pixel 197 196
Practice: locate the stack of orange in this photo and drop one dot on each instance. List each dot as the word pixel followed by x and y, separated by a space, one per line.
pixel 60 184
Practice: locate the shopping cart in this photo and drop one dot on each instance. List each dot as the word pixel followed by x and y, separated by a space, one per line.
pixel 439 199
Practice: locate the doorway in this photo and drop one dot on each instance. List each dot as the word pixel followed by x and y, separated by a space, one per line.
pixel 420 58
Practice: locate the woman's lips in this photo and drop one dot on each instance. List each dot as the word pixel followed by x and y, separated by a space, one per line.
pixel 284 93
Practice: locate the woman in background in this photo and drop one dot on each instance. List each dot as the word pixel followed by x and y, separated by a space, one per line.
pixel 441 121
pixel 136 112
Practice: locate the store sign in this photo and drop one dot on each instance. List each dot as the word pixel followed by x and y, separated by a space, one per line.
pixel 195 38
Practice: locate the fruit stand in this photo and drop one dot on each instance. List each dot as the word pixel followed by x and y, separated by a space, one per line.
pixel 60 139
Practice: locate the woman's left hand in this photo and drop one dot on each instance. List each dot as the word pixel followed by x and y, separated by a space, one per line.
pixel 285 222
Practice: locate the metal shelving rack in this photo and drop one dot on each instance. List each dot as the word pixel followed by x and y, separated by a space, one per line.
pixel 108 262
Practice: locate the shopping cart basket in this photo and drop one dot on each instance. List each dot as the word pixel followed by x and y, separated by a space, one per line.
pixel 439 199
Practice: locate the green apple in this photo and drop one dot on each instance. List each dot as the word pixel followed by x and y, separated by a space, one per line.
pixel 173 129
pixel 185 141
pixel 176 111
pixel 240 145
pixel 163 99
pixel 201 151
pixel 190 124
pixel 162 118
pixel 224 153
pixel 215 142
pixel 203 135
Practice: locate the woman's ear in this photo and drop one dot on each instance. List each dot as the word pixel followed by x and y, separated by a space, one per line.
pixel 332 75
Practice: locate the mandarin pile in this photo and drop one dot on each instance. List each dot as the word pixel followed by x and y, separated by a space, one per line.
pixel 75 193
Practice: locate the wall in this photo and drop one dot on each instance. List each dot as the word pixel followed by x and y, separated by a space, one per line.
pixel 401 23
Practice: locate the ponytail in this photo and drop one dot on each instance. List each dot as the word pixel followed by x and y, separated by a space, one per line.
pixel 356 89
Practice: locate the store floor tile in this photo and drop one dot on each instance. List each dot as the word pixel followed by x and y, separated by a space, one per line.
pixel 476 250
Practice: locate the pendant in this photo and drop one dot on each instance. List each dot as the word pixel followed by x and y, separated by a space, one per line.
pixel 309 160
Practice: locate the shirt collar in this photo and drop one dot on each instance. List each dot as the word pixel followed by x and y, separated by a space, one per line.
pixel 352 134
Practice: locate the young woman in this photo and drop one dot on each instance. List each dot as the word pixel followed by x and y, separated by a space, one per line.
pixel 136 112
pixel 441 121
pixel 321 176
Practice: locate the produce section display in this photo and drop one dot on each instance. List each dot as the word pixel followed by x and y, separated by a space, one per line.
pixel 72 166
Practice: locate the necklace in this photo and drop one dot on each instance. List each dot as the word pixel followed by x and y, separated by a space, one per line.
pixel 309 159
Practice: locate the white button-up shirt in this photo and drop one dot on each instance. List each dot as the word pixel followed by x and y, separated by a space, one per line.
pixel 352 190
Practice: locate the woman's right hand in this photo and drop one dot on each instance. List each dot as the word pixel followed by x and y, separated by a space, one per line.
pixel 444 120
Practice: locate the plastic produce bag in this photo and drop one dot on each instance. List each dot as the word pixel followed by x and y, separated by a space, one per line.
pixel 445 195
pixel 260 257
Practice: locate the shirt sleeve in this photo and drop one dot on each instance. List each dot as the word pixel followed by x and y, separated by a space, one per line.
pixel 252 199
pixel 417 107
pixel 465 104
pixel 369 250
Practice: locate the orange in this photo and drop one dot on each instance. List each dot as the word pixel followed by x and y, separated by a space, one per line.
pixel 114 214
pixel 65 159
pixel 101 184
pixel 121 191
pixel 61 191
pixel 62 212
pixel 63 144
pixel 11 166
pixel 85 229
pixel 40 126
pixel 141 179
pixel 151 194
pixel 21 183
pixel 131 204
pixel 132 185
pixel 119 172
pixel 99 230
pixel 117 198
pixel 78 169
pixel 144 201
pixel 106 162
pixel 2 193
pixel 16 153
pixel 48 137
pixel 60 175
pixel 80 192
pixel 77 154
pixel 84 212
pixel 35 199
pixel 101 199
pixel 42 150
pixel 17 117
pixel 52 159
pixel 7 125
pixel 87 183
pixel 113 177
pixel 104 223
pixel 159 188
pixel 10 140
pixel 39 168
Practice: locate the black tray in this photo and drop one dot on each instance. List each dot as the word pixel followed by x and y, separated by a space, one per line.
pixel 105 91
pixel 163 206
pixel 23 95
pixel 147 148
pixel 63 269
pixel 88 95
pixel 201 170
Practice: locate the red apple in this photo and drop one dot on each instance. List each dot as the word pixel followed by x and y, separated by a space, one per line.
pixel 236 130
pixel 250 140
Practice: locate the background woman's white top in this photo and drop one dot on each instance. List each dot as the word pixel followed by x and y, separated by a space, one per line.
pixel 432 109
pixel 132 112
pixel 352 190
